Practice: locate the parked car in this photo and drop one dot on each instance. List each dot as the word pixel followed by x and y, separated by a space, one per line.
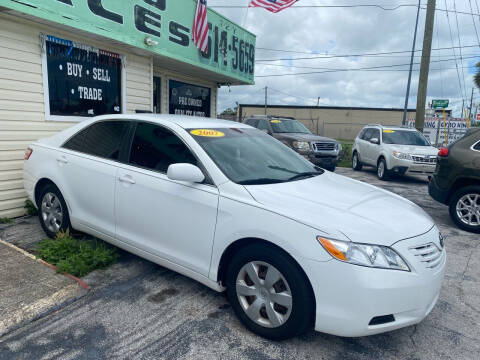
pixel 319 150
pixel 456 181
pixel 233 208
pixel 393 150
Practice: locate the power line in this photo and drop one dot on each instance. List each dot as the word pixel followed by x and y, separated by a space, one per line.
pixel 354 69
pixel 362 54
pixel 454 54
pixel 473 20
pixel 460 48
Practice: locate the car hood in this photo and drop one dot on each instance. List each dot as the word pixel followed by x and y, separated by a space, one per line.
pixel 415 150
pixel 340 206
pixel 302 137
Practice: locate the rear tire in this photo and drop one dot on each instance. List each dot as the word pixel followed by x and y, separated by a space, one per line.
pixel 382 171
pixel 356 164
pixel 464 207
pixel 274 309
pixel 53 211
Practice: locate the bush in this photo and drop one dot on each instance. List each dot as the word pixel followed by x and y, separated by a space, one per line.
pixel 6 220
pixel 30 208
pixel 347 154
pixel 76 257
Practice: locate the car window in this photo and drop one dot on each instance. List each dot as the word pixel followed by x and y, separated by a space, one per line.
pixel 404 137
pixel 102 139
pixel 288 126
pixel 156 148
pixel 367 134
pixel 263 125
pixel 252 122
pixel 375 134
pixel 477 146
pixel 361 134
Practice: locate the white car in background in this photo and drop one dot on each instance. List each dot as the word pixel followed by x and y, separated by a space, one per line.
pixel 394 150
pixel 233 208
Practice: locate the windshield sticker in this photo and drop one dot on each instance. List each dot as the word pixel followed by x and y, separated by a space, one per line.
pixel 207 133
pixel 276 121
pixel 389 131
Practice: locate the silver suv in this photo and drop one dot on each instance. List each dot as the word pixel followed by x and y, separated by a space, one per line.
pixel 394 150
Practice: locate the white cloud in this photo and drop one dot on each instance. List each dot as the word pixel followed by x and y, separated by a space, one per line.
pixel 351 31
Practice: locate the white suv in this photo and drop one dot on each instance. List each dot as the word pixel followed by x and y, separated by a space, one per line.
pixel 394 150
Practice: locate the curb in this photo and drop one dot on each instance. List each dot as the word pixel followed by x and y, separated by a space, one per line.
pixel 80 282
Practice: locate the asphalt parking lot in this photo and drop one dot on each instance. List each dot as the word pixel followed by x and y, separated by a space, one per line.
pixel 137 309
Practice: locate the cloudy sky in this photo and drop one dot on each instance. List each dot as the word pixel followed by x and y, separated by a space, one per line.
pixel 309 32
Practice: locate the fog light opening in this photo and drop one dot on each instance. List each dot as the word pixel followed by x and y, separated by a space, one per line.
pixel 380 320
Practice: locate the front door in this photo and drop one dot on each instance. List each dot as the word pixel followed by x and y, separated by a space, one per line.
pixel 171 219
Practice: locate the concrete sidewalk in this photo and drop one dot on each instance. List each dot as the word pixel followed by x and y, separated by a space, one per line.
pixel 30 289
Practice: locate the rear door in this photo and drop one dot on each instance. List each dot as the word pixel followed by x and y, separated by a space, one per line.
pixel 87 166
pixel 363 145
pixel 170 219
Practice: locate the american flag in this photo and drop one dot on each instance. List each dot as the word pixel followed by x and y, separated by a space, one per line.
pixel 272 5
pixel 200 26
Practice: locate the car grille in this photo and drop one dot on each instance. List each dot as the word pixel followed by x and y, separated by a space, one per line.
pixel 319 146
pixel 429 254
pixel 424 159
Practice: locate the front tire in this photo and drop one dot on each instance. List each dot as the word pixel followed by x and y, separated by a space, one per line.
pixel 53 211
pixel 356 164
pixel 465 208
pixel 269 293
pixel 382 171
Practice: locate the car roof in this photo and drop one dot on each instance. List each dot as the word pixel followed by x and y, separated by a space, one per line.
pixel 391 127
pixel 186 122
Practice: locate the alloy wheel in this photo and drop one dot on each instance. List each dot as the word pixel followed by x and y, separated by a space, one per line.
pixel 52 212
pixel 381 169
pixel 468 209
pixel 264 294
pixel 355 161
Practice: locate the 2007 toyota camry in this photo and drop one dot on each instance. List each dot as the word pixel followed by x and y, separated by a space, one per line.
pixel 231 207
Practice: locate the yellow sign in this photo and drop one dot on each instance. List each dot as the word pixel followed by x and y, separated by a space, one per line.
pixel 275 121
pixel 207 133
pixel 389 131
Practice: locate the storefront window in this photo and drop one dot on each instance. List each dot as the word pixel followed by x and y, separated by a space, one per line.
pixel 188 99
pixel 82 81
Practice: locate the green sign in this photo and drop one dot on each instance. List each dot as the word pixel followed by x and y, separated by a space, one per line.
pixel 440 104
pixel 163 27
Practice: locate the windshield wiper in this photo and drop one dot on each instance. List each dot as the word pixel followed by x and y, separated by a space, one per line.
pixel 307 174
pixel 273 167
pixel 261 181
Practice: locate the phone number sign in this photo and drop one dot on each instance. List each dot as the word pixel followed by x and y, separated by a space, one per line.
pixel 231 49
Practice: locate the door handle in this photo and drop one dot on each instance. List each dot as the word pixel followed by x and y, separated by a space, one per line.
pixel 126 179
pixel 62 159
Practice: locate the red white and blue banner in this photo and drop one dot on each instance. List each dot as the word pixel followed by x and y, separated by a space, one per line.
pixel 272 5
pixel 200 26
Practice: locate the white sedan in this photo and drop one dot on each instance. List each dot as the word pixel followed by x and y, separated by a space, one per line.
pixel 231 207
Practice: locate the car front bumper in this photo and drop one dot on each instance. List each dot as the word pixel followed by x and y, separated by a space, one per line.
pixel 323 160
pixel 348 296
pixel 408 167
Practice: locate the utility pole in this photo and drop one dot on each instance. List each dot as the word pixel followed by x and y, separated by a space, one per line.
pixel 266 92
pixel 405 109
pixel 425 65
pixel 471 106
pixel 318 101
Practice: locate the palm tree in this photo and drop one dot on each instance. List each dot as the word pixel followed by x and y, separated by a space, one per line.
pixel 477 76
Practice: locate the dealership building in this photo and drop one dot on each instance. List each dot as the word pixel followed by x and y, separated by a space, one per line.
pixel 62 61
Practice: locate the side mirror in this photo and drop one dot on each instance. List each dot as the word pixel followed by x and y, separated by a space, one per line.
pixel 185 172
pixel 374 141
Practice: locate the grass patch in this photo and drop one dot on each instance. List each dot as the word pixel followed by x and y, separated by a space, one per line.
pixel 347 154
pixel 30 208
pixel 6 220
pixel 76 257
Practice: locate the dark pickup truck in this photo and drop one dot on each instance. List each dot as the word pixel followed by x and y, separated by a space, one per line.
pixel 456 181
pixel 319 150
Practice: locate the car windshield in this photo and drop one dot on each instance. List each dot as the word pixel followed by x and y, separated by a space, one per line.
pixel 404 137
pixel 251 157
pixel 288 126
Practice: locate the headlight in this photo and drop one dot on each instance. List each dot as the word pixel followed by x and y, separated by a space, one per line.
pixel 375 256
pixel 338 147
pixel 301 145
pixel 402 156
